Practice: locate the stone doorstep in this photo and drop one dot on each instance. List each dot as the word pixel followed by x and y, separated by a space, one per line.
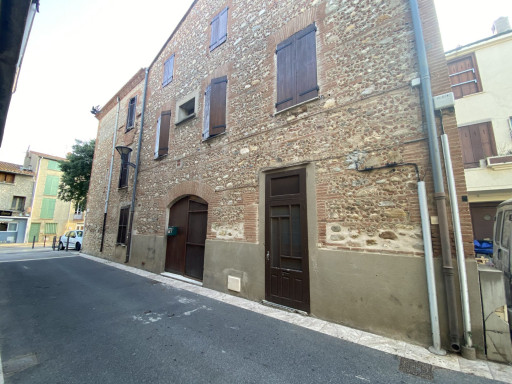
pixel 407 353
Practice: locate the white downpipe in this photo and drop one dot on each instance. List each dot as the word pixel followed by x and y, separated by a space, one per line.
pixel 429 267
pixel 461 262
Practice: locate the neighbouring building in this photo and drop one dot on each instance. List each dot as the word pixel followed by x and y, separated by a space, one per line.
pixel 50 216
pixel 482 84
pixel 281 145
pixel 16 183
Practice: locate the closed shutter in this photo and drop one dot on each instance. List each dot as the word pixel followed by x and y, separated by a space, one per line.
pixel 9 178
pixel 168 70
pixel 165 124
pixel 53 165
pixel 130 120
pixel 286 86
pixel 296 69
pixel 307 86
pixel 47 208
pixel 50 228
pixel 218 105
pixel 219 29
pixel 51 185
pixel 477 143
pixel 464 76
pixel 206 117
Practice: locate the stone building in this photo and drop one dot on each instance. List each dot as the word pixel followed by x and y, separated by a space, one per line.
pixel 482 84
pixel 16 185
pixel 281 144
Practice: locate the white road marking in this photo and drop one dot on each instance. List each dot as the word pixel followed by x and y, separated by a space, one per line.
pixel 1 371
pixel 42 258
pixel 362 378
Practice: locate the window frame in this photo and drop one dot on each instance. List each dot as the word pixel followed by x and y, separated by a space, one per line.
pixel 296 58
pixel 4 176
pixel 131 113
pixel 476 80
pixel 16 200
pixel 122 226
pixel 219 29
pixel 168 74
pixel 123 171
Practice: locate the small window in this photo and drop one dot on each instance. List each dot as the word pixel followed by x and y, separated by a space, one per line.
pixel 219 29
pixel 296 69
pixel 214 121
pixel 477 142
pixel 7 177
pixel 123 174
pixel 464 76
pixel 123 225
pixel 186 108
pixel 130 120
pixel 18 203
pixel 8 227
pixel 168 71
pixel 162 134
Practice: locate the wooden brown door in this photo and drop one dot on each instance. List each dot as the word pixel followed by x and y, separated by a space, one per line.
pixel 185 251
pixel 482 217
pixel 286 246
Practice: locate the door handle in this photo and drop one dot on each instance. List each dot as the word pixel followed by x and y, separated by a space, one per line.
pixel 268 256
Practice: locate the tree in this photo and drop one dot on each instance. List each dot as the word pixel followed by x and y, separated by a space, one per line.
pixel 76 173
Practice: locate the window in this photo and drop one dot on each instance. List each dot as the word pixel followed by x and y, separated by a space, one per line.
pixel 296 69
pixel 477 142
pixel 507 229
pixel 168 71
pixel 53 165
pixel 51 185
pixel 219 29
pixel 215 108
pixel 7 177
pixel 8 227
pixel 50 228
pixel 130 120
pixel 123 224
pixel 162 134
pixel 464 76
pixel 123 174
pixel 186 108
pixel 47 208
pixel 18 203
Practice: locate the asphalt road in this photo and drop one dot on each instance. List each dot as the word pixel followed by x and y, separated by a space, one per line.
pixel 72 320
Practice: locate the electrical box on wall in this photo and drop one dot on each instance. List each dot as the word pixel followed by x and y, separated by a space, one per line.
pixel 444 101
pixel 172 231
pixel 234 283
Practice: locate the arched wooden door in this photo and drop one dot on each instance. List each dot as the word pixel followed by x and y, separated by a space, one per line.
pixel 185 251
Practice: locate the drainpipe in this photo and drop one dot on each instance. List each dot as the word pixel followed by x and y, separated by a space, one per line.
pixel 439 195
pixel 110 175
pixel 468 351
pixel 132 206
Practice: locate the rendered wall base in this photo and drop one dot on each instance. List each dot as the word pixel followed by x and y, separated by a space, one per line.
pixel 148 252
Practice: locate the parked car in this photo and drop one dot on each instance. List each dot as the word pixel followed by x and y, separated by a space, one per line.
pixel 75 240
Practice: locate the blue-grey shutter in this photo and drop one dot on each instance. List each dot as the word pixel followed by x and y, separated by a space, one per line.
pixel 206 118
pixel 168 70
pixel 286 83
pixel 214 35
pixel 223 27
pixel 157 140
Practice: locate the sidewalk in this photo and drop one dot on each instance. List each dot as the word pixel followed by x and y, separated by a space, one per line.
pixel 26 245
pixel 402 349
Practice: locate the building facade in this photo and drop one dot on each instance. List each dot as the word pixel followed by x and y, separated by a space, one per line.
pixel 482 83
pixel 281 145
pixel 50 216
pixel 16 185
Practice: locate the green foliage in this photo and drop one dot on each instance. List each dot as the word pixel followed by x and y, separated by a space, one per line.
pixel 76 173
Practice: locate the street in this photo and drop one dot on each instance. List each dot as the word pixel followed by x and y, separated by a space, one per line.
pixel 72 320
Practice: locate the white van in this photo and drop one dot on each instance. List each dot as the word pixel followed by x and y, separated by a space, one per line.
pixel 503 244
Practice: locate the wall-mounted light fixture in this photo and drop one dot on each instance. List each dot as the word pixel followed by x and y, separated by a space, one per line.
pixel 125 153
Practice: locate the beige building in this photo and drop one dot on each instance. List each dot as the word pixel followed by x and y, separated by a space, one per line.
pixel 481 79
pixel 50 216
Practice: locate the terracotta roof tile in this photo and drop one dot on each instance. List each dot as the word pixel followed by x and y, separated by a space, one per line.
pixel 14 168
pixel 48 156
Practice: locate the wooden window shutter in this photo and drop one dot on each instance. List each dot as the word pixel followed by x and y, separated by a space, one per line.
pixel 51 185
pixel 286 87
pixel 47 208
pixel 157 137
pixel 218 105
pixel 305 48
pixel 219 26
pixel 130 119
pixel 9 178
pixel 168 70
pixel 464 76
pixel 477 143
pixel 165 124
pixel 206 117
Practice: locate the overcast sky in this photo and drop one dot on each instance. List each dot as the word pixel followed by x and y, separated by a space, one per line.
pixel 80 53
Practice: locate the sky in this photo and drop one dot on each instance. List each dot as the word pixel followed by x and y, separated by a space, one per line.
pixel 80 53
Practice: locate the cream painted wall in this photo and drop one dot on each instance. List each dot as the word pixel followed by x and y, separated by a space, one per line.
pixel 494 104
